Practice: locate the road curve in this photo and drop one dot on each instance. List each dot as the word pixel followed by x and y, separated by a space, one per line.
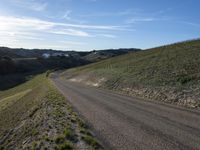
pixel 127 123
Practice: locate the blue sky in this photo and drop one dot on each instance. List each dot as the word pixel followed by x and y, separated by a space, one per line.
pixel 97 24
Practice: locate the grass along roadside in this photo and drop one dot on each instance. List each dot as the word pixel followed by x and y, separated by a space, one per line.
pixel 35 115
pixel 169 73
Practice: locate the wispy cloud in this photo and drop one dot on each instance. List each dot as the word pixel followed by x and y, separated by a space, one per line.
pixel 15 30
pixel 145 19
pixel 197 25
pixel 9 23
pixel 134 20
pixel 67 15
pixel 107 35
pixel 31 4
pixel 71 32
pixel 20 35
pixel 97 27
pixel 144 16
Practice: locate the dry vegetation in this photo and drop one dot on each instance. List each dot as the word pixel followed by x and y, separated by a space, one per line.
pixel 34 115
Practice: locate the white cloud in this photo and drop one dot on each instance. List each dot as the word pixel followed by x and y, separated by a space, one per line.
pixel 16 31
pixel 98 27
pixel 15 23
pixel 9 23
pixel 134 20
pixel 67 15
pixel 145 19
pixel 71 32
pixel 107 35
pixel 18 35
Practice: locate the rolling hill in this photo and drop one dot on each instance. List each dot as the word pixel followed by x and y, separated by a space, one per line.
pixel 17 64
pixel 94 55
pixel 169 73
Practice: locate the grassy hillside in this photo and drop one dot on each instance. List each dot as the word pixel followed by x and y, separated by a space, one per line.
pixel 98 55
pixel 169 73
pixel 34 115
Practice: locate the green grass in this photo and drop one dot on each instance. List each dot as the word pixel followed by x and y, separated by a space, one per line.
pixel 34 145
pixel 66 146
pixel 5 102
pixel 173 65
pixel 68 133
pixel 17 102
pixel 34 132
pixel 32 83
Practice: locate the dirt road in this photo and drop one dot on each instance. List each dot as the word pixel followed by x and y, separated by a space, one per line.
pixel 127 123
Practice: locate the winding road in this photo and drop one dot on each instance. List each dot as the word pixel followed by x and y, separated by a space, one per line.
pixel 128 123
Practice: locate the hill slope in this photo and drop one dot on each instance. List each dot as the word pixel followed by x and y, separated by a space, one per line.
pixel 168 73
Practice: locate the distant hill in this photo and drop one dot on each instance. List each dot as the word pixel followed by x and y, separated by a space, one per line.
pixel 29 53
pixel 17 64
pixel 97 55
pixel 94 55
pixel 169 73
pixel 22 60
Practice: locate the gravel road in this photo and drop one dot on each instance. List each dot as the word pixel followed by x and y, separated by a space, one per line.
pixel 127 123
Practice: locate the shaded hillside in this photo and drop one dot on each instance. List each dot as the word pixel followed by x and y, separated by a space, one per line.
pixel 169 73
pixel 13 72
pixel 28 53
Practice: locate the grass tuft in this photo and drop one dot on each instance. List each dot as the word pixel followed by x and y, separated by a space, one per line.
pixel 66 146
pixel 91 141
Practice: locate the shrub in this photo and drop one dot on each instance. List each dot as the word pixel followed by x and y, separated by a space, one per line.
pixel 60 139
pixel 66 146
pixel 69 134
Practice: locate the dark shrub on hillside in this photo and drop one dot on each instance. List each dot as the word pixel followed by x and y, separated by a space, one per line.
pixel 7 65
